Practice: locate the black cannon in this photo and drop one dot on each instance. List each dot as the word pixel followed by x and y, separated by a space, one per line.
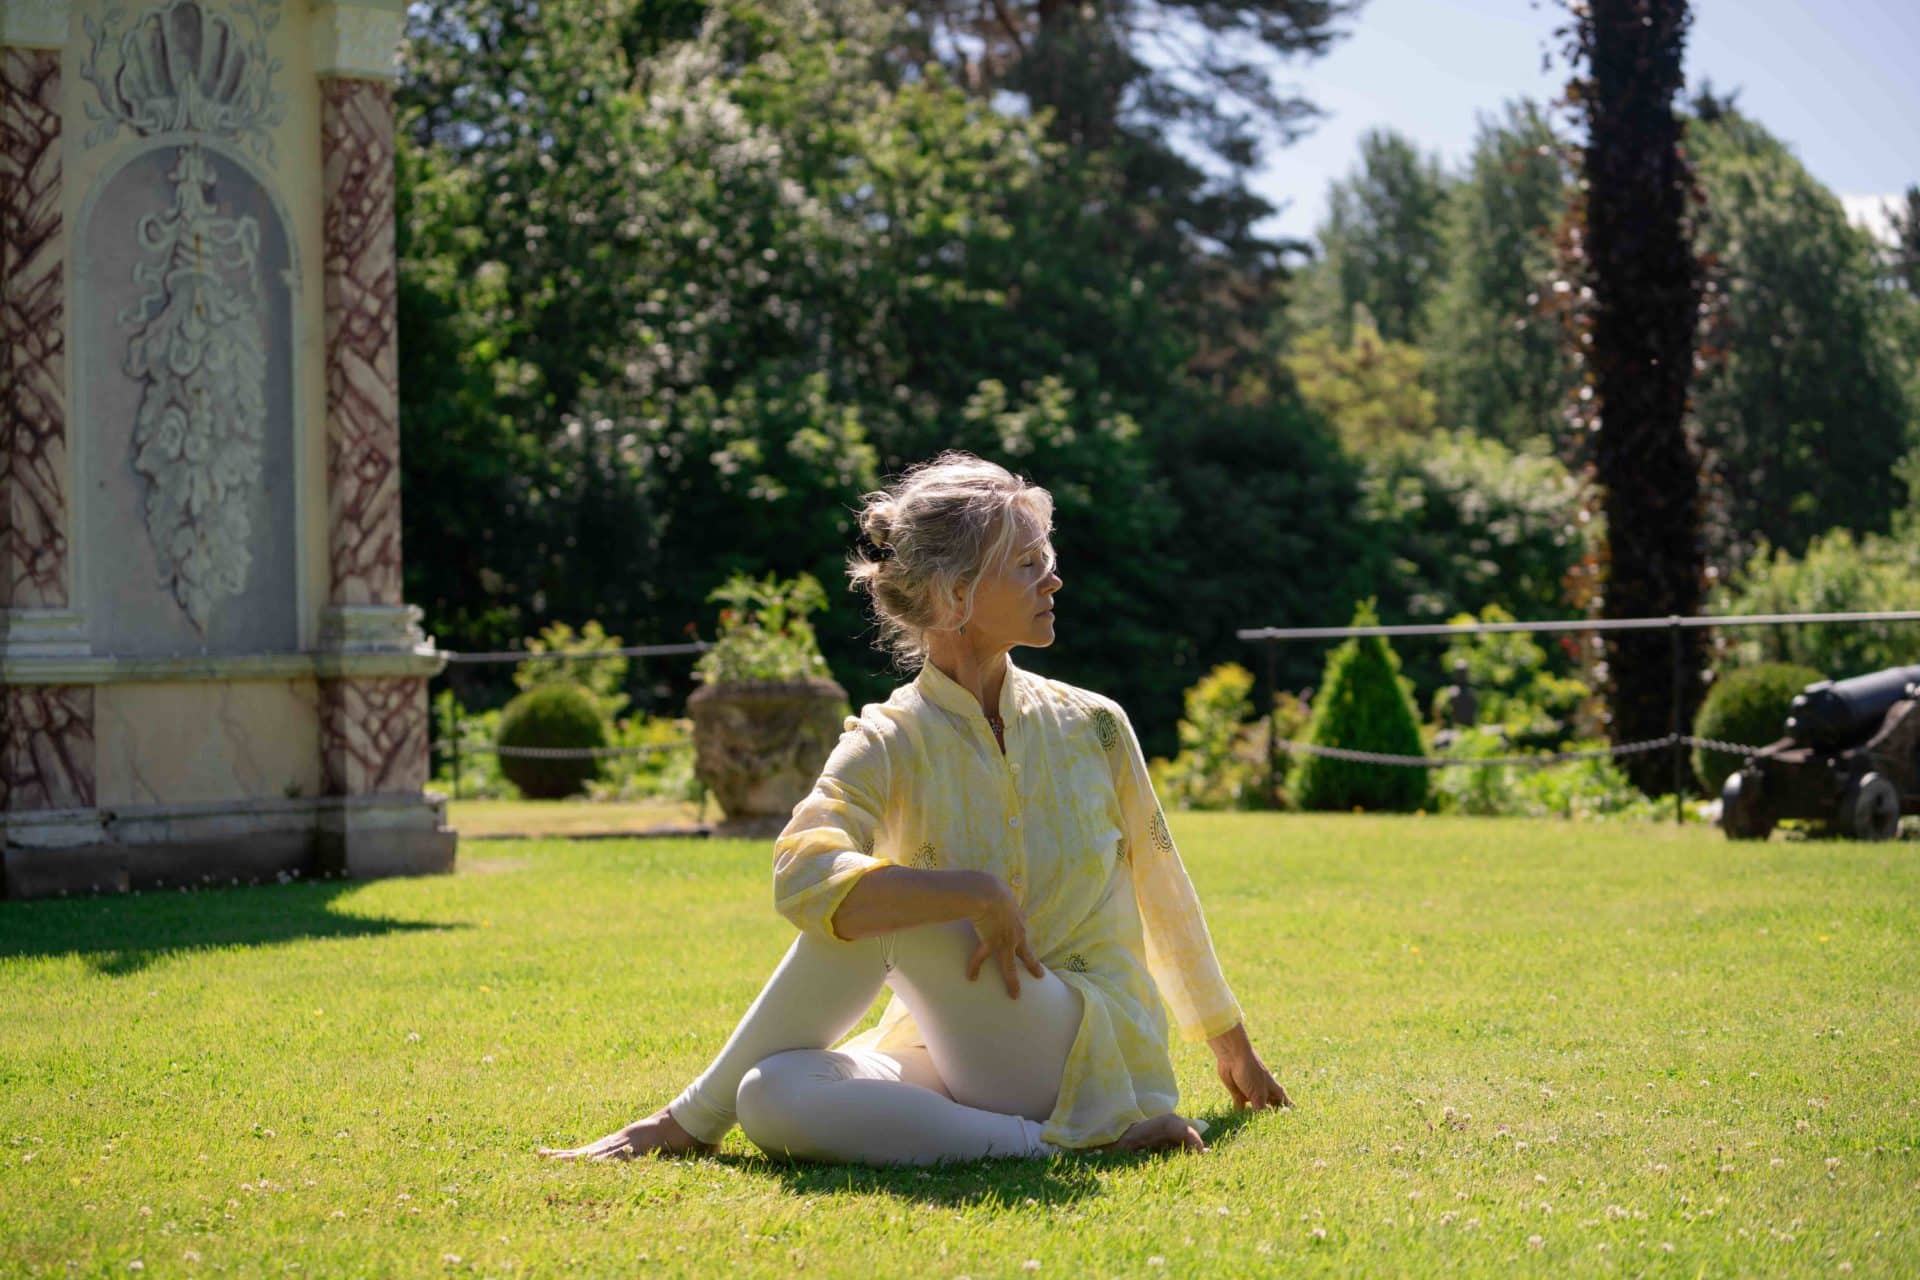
pixel 1850 758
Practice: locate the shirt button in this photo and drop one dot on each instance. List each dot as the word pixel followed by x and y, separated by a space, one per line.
pixel 1016 768
pixel 1014 821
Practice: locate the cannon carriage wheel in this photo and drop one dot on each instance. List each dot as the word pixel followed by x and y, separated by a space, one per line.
pixel 1869 808
pixel 1743 807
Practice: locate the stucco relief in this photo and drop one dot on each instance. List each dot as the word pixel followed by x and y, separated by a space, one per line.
pixel 198 348
pixel 363 403
pixel 179 68
pixel 33 410
pixel 373 735
pixel 46 747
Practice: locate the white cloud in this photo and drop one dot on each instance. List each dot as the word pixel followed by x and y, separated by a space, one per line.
pixel 1872 213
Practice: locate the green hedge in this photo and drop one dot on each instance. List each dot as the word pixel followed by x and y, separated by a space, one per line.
pixel 1747 705
pixel 551 715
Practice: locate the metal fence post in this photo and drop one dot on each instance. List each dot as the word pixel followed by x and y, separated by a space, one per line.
pixel 1273 727
pixel 1673 714
pixel 453 716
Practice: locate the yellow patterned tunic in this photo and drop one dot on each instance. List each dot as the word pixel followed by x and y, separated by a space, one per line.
pixel 1068 818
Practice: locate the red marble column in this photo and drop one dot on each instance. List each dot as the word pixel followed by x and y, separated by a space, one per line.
pixel 374 735
pixel 46 747
pixel 373 729
pixel 33 411
pixel 363 398
pixel 46 732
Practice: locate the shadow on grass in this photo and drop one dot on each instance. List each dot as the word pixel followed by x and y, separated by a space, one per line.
pixel 1007 1184
pixel 123 933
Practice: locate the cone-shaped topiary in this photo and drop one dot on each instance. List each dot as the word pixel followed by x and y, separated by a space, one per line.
pixel 551 715
pixel 1747 705
pixel 1363 706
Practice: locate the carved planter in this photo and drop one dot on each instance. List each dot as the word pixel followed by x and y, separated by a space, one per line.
pixel 759 746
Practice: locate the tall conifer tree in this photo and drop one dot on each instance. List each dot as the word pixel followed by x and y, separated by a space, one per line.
pixel 1646 286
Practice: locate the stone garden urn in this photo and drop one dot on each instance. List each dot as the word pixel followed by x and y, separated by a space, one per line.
pixel 759 746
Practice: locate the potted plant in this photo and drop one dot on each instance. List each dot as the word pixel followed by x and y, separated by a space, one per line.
pixel 767 713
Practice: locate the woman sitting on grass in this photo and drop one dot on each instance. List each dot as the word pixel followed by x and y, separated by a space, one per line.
pixel 980 814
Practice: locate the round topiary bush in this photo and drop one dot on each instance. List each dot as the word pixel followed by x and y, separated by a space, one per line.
pixel 551 715
pixel 1747 705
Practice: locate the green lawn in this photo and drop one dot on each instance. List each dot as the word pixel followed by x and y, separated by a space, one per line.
pixel 481 818
pixel 1545 1048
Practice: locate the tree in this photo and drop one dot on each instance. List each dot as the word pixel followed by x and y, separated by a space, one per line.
pixel 1131 81
pixel 1381 244
pixel 777 269
pixel 1362 704
pixel 1802 403
pixel 1370 389
pixel 1838 573
pixel 1462 522
pixel 1906 245
pixel 1267 536
pixel 1204 66
pixel 1498 365
pixel 1646 287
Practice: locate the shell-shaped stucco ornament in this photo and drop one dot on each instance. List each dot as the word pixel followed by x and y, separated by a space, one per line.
pixel 180 68
pixel 198 352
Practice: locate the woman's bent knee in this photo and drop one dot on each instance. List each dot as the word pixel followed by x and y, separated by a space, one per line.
pixel 941 947
pixel 772 1094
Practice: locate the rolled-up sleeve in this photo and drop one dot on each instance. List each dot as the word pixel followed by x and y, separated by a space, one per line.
pixel 1180 952
pixel 827 846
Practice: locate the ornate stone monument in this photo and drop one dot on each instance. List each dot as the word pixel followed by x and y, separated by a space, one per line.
pixel 208 670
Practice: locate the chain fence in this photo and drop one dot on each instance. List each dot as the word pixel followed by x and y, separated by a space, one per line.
pixel 458 744
pixel 1539 760
pixel 1674 741
pixel 562 753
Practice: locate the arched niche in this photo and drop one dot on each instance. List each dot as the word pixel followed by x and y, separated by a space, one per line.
pixel 186 298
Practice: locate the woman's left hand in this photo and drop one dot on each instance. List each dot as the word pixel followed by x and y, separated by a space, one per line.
pixel 1245 1076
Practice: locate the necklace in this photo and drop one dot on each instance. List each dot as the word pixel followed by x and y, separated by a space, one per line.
pixel 999 729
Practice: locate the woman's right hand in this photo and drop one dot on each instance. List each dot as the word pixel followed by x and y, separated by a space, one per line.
pixel 1002 931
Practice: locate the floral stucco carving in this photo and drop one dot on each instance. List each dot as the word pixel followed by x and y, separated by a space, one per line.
pixel 198 349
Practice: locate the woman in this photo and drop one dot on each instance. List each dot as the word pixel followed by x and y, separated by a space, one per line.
pixel 981 817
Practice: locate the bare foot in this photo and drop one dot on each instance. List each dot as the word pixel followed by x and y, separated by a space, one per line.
pixel 1161 1133
pixel 658 1134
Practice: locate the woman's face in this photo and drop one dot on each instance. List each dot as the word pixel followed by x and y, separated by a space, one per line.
pixel 1015 604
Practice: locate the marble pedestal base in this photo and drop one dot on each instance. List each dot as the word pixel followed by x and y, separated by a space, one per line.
pixel 75 851
pixel 404 836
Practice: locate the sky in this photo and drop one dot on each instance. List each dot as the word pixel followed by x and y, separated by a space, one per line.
pixel 1838 81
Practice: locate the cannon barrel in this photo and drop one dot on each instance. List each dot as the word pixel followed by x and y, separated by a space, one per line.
pixel 1840 713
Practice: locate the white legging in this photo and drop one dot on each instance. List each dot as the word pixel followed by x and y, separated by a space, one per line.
pixel 990 1072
